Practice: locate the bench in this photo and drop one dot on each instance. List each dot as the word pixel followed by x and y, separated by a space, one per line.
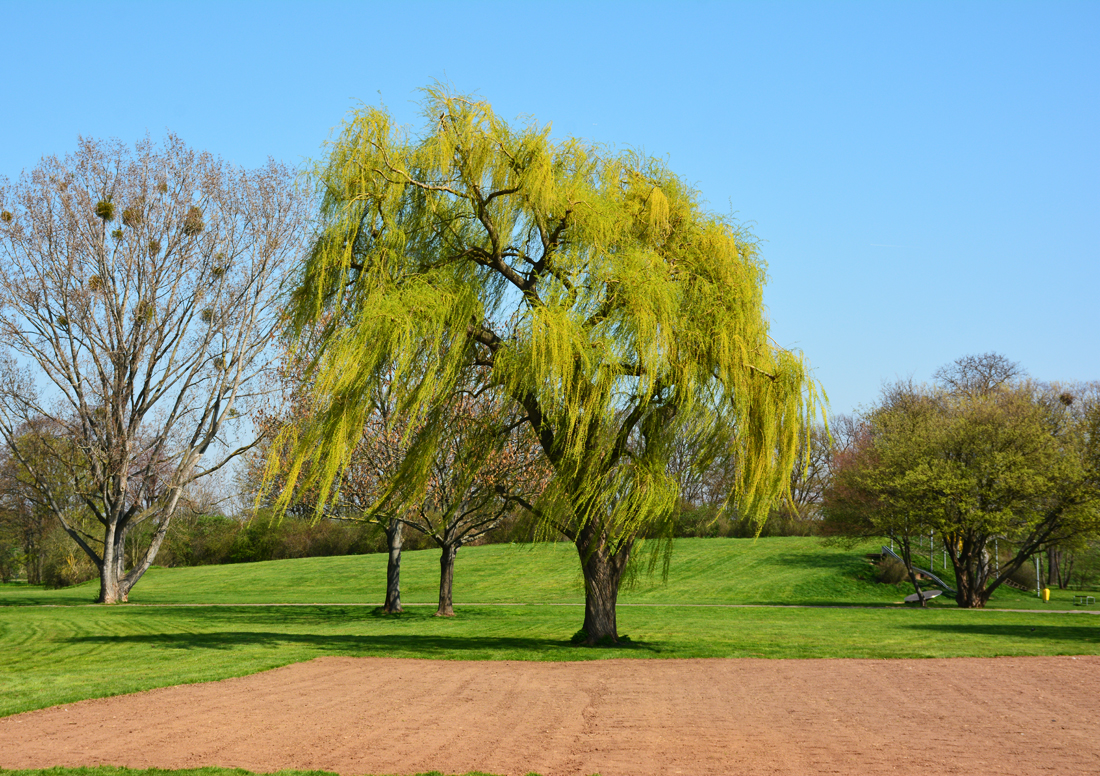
pixel 1083 600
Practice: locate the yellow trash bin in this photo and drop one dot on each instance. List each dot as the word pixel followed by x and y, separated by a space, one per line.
pixel 1046 593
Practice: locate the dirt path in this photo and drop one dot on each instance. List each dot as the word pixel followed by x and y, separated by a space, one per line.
pixel 616 717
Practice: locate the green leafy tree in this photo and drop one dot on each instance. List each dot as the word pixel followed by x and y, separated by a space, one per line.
pixel 976 460
pixel 872 472
pixel 610 307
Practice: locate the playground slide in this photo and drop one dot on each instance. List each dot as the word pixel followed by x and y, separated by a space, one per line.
pixel 946 588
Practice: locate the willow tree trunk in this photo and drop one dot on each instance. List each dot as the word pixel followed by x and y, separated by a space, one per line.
pixel 446 580
pixel 394 540
pixel 603 568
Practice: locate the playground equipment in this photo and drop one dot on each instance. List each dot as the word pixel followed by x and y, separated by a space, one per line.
pixel 946 587
pixel 927 595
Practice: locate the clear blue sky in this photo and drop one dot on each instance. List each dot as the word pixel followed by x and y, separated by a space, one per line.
pixel 925 176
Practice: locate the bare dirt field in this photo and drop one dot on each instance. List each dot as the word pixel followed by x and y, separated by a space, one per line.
pixel 615 717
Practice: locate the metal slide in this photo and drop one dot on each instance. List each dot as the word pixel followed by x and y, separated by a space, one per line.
pixel 946 588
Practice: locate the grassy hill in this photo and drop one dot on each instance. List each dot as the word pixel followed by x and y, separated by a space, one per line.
pixel 786 570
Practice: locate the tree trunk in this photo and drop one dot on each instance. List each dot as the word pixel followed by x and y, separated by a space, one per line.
pixel 968 596
pixel 970 566
pixel 32 560
pixel 109 591
pixel 603 571
pixel 907 556
pixel 142 564
pixel 120 564
pixel 446 580
pixel 1057 568
pixel 115 583
pixel 394 539
pixel 1066 578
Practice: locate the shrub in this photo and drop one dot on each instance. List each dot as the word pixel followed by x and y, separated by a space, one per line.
pixel 890 571
pixel 1024 576
pixel 786 522
pixel 11 559
pixel 1086 566
pixel 702 521
pixel 64 564
pixel 198 540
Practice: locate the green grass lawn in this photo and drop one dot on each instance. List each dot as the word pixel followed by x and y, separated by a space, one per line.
pixel 56 653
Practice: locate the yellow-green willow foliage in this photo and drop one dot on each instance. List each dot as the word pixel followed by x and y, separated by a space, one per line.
pixel 605 299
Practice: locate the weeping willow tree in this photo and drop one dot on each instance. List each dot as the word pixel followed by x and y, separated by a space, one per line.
pixel 608 304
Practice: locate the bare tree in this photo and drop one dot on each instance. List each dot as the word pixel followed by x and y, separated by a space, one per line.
pixel 705 475
pixel 978 375
pixel 486 463
pixel 846 432
pixel 810 474
pixel 138 291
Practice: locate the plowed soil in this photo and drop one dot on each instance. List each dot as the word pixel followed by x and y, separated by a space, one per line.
pixel 614 717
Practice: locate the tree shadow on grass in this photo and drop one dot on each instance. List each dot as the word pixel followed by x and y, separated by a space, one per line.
pixel 390 645
pixel 812 560
pixel 327 615
pixel 22 594
pixel 333 643
pixel 1062 634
